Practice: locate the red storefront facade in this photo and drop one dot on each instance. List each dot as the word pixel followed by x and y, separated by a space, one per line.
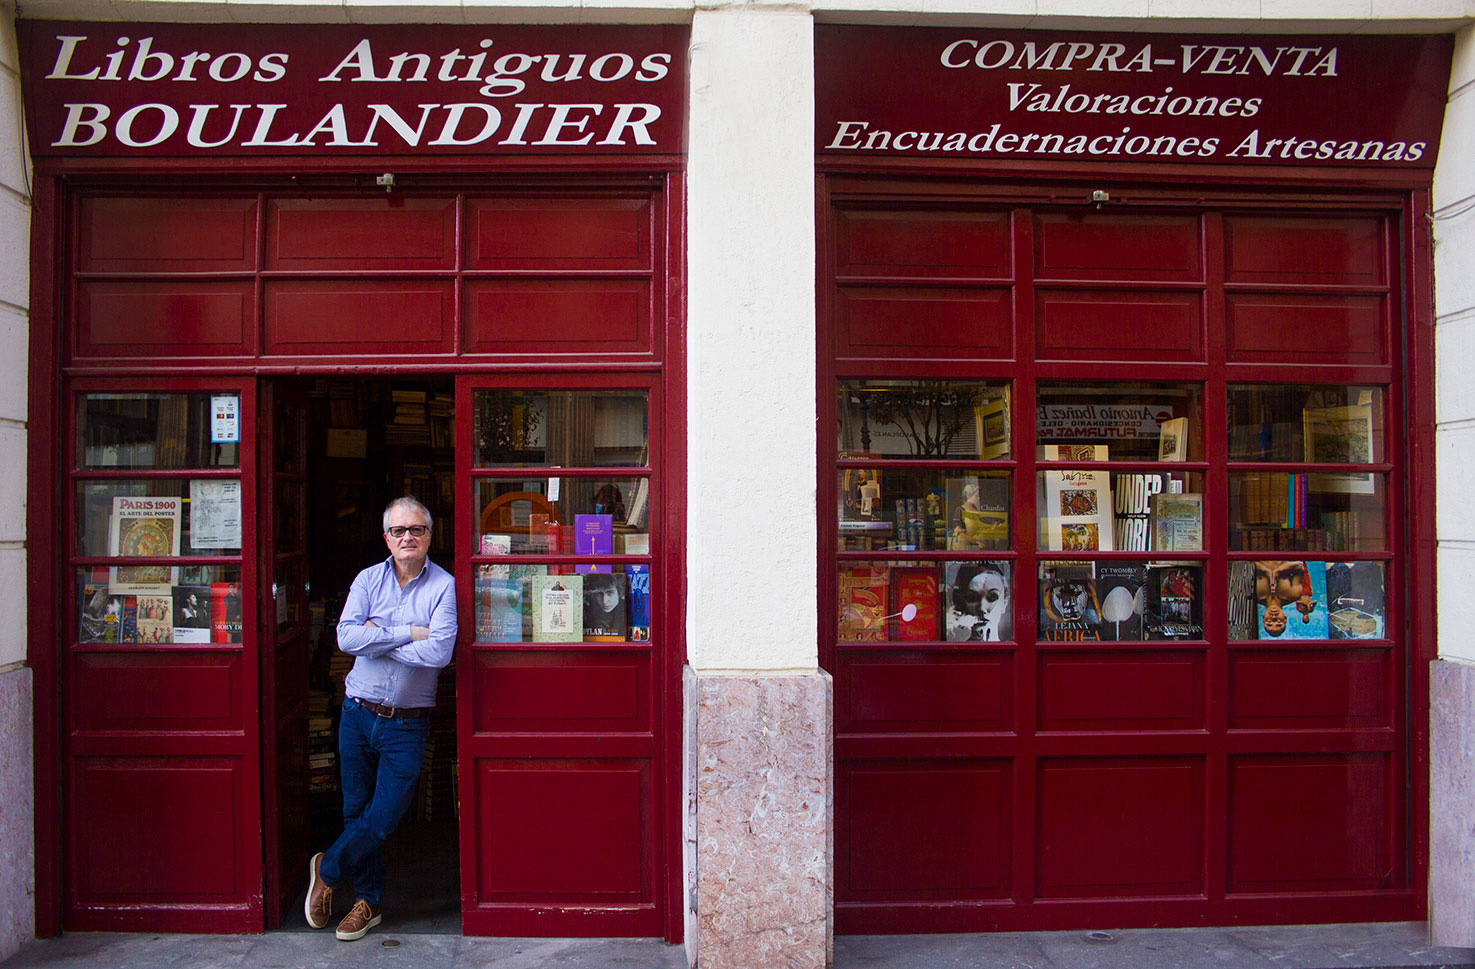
pixel 1084 245
pixel 330 278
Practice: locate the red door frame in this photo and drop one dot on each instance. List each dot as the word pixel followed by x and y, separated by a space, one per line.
pixel 662 175
pixel 1407 202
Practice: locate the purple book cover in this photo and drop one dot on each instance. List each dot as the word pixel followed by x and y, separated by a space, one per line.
pixel 593 535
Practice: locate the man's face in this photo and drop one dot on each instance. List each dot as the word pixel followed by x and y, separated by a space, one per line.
pixel 409 552
pixel 607 598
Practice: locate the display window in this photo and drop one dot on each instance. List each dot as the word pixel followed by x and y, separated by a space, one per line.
pixel 1113 591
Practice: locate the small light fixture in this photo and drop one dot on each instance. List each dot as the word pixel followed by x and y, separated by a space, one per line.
pixel 386 182
pixel 1098 196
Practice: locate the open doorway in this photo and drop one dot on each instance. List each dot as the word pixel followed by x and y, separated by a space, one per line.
pixel 366 441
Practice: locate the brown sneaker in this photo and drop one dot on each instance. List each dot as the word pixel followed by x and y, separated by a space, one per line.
pixel 319 904
pixel 359 920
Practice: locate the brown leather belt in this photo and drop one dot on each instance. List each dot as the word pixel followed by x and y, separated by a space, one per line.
pixel 381 710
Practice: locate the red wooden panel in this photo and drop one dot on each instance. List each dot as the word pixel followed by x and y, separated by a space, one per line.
pixel 157 830
pixel 1306 328
pixel 950 324
pixel 1304 249
pixel 1288 689
pixel 1120 827
pixel 558 691
pixel 125 319
pixel 1157 248
pixel 564 830
pixel 1114 325
pixel 359 317
pixel 922 829
pixel 1122 691
pixel 924 691
pixel 932 243
pixel 156 691
pixel 384 233
pixel 1309 822
pixel 558 316
pixel 162 235
pixel 559 233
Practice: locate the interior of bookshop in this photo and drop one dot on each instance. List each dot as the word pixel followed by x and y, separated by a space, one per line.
pixel 341 449
pixel 1123 538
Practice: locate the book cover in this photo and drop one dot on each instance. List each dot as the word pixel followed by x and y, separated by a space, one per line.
pixel 1177 522
pixel 522 575
pixel 978 513
pixel 1174 602
pixel 128 625
pixel 633 543
pixel 863 597
pixel 499 609
pixel 1340 435
pixel 1291 601
pixel 1242 620
pixel 100 615
pixel 191 614
pixel 1172 442
pixel 155 619
pixel 1070 611
pixel 225 612
pixel 1076 513
pixel 980 599
pixel 1131 504
pixel 915 588
pixel 1121 587
pixel 143 527
pixel 593 535
pixel 495 544
pixel 638 577
pixel 1074 452
pixel 606 617
pixel 1357 600
pixel 558 608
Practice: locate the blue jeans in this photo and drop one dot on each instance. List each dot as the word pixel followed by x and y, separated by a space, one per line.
pixel 380 764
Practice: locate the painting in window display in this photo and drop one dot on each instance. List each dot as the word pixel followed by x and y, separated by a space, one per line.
pixel 979 513
pixel 979 602
pixel 1291 600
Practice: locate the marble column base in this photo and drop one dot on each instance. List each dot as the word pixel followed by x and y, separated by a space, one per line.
pixel 760 820
pixel 17 822
pixel 1452 803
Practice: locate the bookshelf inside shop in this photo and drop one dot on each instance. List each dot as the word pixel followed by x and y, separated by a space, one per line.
pixel 371 442
pixel 931 516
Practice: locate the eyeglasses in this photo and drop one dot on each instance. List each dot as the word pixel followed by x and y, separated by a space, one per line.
pixel 398 531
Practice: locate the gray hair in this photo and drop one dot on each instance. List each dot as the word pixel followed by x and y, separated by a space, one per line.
pixel 412 503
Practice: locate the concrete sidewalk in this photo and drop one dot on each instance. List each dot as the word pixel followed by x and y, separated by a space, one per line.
pixel 1391 944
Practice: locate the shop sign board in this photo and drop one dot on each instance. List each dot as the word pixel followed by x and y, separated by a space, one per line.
pixel 95 90
pixel 971 93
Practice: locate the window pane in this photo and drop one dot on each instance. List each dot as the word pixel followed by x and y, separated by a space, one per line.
pixel 537 516
pixel 923 419
pixel 1320 424
pixel 570 429
pixel 1276 511
pixel 518 603
pixel 1091 509
pixel 1120 422
pixel 908 510
pixel 181 604
pixel 931 602
pixel 175 516
pixel 152 431
pixel 1296 599
pixel 1120 601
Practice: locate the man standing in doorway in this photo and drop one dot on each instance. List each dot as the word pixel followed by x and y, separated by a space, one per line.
pixel 399 624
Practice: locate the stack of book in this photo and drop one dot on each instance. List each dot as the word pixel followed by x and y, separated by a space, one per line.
pixel 322 745
pixel 409 424
pixel 440 409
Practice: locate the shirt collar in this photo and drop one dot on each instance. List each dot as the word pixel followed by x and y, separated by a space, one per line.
pixel 389 564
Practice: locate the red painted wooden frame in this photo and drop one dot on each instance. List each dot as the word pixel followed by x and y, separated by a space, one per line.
pixel 661 360
pixel 1031 890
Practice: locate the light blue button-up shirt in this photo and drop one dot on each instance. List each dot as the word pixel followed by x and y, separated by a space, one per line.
pixel 388 666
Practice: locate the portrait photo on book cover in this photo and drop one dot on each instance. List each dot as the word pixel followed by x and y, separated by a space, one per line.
pixel 980 602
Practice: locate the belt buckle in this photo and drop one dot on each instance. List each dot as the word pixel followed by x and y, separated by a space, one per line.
pixel 385 716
